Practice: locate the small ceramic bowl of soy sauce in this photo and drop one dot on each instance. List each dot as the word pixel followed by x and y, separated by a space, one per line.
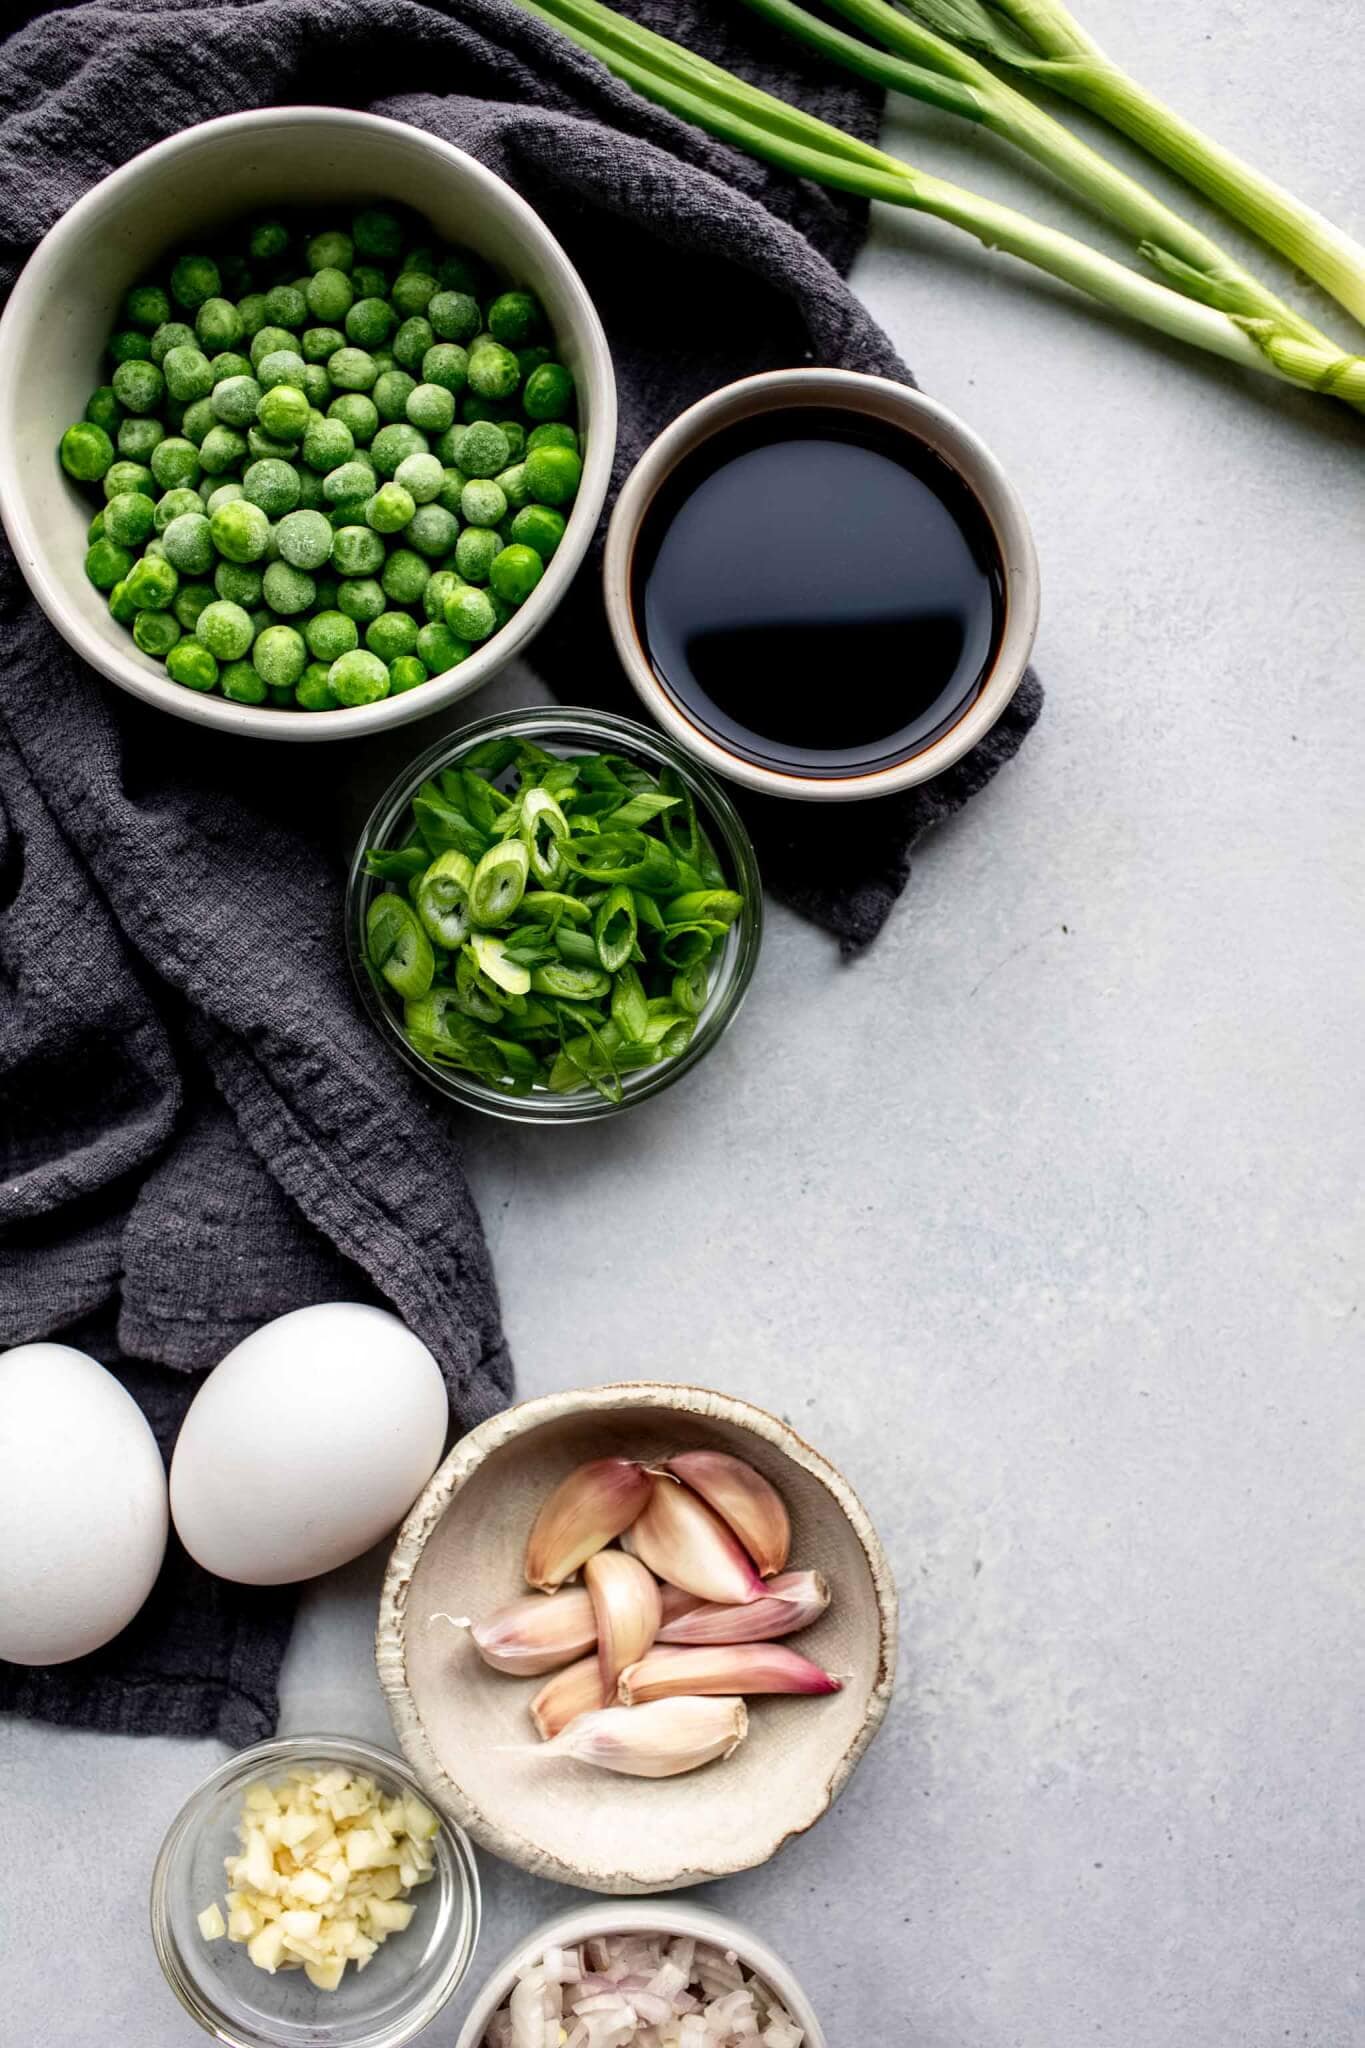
pixel 822 584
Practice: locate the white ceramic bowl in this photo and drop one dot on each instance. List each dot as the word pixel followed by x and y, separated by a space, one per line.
pixel 61 311
pixel 466 1730
pixel 878 398
pixel 648 1916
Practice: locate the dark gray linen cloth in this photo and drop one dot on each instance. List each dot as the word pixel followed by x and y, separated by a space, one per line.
pixel 197 1129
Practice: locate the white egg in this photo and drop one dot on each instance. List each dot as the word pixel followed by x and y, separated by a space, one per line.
pixel 309 1442
pixel 82 1505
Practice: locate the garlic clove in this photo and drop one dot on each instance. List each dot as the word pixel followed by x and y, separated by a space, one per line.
pixel 537 1632
pixel 790 1602
pixel 575 1690
pixel 628 1610
pixel 745 1502
pixel 585 1513
pixel 658 1741
pixel 721 1668
pixel 676 1603
pixel 688 1545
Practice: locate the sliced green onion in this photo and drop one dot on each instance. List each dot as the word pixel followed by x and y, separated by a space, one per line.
pixel 443 899
pixel 629 1004
pixel 720 906
pixel 491 955
pixel 543 826
pixel 553 905
pixel 499 882
pixel 689 988
pixel 579 983
pixel 398 947
pixel 442 824
pixel 614 927
pixel 399 866
pixel 579 948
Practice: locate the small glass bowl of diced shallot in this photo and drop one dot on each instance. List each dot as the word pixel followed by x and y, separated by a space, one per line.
pixel 309 1893
pixel 642 1973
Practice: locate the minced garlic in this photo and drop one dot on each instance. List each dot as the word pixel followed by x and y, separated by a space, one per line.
pixel 326 1863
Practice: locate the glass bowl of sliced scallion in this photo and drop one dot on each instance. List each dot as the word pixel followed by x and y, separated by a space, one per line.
pixel 553 914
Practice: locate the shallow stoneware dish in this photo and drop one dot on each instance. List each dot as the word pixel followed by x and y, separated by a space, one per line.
pixel 895 405
pixel 61 310
pixel 653 1916
pixel 465 1728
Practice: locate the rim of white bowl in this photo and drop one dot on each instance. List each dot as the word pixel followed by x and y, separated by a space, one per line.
pixel 648 1916
pixel 939 429
pixel 138 674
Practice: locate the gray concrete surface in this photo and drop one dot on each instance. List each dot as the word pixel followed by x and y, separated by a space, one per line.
pixel 1043 1221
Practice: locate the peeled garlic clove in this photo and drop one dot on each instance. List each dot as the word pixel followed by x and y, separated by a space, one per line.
pixel 628 1609
pixel 574 1691
pixel 582 1516
pixel 538 1632
pixel 685 1543
pixel 745 1502
pixel 790 1602
pixel 658 1741
pixel 676 1603
pixel 717 1668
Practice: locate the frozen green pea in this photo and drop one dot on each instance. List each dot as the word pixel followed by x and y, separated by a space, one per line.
pixel 287 590
pixel 270 340
pixel 514 487
pixel 95 529
pixel 330 295
pixel 356 551
pixel 483 450
pixel 493 371
pixel 103 410
pixel 553 434
pixel 431 407
pixel 155 548
pixel 129 518
pixel 310 491
pixel 218 324
pixel 225 629
pixel 439 649
pixel 129 347
pixel 390 509
pixel 221 449
pixel 552 474
pixel 333 250
pixel 190 663
pixel 356 412
pixel 272 484
pixel 474 552
pixel 223 494
pixel 392 389
pixel 358 678
pixel 421 476
pixel 234 274
pixel 447 445
pixel 156 633
pixel 106 564
pixel 473 408
pixel 432 531
pixel 447 365
pixel 146 306
pixel 370 322
pixel 441 584
pixel 191 602
pixel 470 614
pixel 235 400
pixel 453 482
pixel 286 306
pixel 230 362
pixel 361 598
pixel 267 240
pixel 119 607
pixel 317 385
pixel 187 374
pixel 406 672
pixel 516 439
pixel 405 577
pixel 138 437
pixel 280 366
pixel 241 531
pixel 413 291
pixel 127 476
pixel 394 443
pixel 86 452
pixel 515 573
pixel 391 634
pixel 327 443
pixel 348 482
pixel 313 692
pixel 251 311
pixel 316 344
pixel 331 633
pixel 194 279
pixel 280 656
pixel 377 234
pixel 529 359
pixel 175 502
pixel 352 369
pixel 283 412
pixel 412 341
pixel 513 318
pixel 188 541
pixel 139 386
pixel 549 392
pixel 197 421
pixel 152 583
pixel 483 502
pixel 239 584
pixel 174 462
pixel 171 334
pixel 304 540
pixel 539 527
pixel 243 685
pixel 454 316
pixel 369 281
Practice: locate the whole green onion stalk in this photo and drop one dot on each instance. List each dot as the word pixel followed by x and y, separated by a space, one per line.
pixel 723 105
pixel 1044 42
pixel 927 67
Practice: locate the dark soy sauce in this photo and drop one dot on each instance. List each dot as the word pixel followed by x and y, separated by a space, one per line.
pixel 818 591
